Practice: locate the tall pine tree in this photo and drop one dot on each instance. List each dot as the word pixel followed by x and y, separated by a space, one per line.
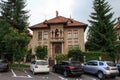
pixel 14 28
pixel 101 34
pixel 13 12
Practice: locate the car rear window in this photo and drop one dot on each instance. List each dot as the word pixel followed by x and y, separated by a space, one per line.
pixel 42 63
pixel 75 63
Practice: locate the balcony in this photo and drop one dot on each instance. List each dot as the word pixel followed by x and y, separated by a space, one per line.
pixel 57 39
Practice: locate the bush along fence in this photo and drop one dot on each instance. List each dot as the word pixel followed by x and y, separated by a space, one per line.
pixel 96 56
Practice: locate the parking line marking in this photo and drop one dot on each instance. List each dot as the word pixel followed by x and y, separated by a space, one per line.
pixel 27 74
pixel 62 78
pixel 14 75
pixel 45 77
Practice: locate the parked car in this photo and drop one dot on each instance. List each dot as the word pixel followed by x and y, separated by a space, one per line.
pixel 118 66
pixel 4 66
pixel 101 68
pixel 39 66
pixel 68 68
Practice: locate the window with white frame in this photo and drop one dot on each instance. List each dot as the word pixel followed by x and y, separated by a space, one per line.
pixel 45 35
pixel 39 35
pixel 75 34
pixel 69 33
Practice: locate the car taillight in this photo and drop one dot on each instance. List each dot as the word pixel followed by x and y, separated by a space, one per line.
pixel 107 68
pixel 36 66
pixel 71 67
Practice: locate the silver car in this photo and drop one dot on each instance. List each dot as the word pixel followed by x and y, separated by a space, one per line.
pixel 101 68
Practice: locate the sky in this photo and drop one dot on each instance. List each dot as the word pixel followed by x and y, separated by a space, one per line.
pixel 80 10
pixel 39 10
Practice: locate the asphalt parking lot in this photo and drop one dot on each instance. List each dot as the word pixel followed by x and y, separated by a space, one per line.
pixel 27 75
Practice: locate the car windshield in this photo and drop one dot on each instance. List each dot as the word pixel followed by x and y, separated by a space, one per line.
pixel 42 63
pixel 110 63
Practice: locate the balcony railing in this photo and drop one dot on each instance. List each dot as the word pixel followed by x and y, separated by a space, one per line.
pixel 57 39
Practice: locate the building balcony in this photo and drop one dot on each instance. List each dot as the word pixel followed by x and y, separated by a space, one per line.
pixel 57 39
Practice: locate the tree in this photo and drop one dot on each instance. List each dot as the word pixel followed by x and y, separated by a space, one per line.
pixel 41 52
pixel 13 12
pixel 12 42
pixel 14 18
pixel 3 30
pixel 102 34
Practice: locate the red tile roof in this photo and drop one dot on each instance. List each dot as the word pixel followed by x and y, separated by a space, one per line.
pixel 59 20
pixel 118 23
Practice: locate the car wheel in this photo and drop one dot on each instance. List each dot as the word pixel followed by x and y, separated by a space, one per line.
pixel 65 74
pixel 100 75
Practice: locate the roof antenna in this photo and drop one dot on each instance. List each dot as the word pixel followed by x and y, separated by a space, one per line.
pixel 70 17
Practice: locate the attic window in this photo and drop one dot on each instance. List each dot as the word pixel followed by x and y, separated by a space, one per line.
pixel 69 21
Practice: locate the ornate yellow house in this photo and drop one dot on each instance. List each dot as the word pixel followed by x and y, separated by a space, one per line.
pixel 58 34
pixel 118 29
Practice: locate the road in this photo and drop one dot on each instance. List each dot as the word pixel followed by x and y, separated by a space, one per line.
pixel 27 75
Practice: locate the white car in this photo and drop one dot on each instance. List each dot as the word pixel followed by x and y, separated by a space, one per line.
pixel 39 66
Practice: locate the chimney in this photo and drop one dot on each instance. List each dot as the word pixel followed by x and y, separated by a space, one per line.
pixel 118 20
pixel 56 13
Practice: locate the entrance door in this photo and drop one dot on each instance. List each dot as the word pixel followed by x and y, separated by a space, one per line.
pixel 57 48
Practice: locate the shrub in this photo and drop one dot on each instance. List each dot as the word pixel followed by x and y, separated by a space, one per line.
pixel 75 54
pixel 95 55
pixel 60 57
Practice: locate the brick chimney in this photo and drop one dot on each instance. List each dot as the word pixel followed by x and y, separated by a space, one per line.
pixel 118 22
pixel 118 19
pixel 56 13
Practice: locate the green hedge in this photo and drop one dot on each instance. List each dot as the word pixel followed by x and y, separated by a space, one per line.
pixel 95 56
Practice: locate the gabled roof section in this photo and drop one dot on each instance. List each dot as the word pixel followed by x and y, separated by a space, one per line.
pixel 59 20
pixel 39 25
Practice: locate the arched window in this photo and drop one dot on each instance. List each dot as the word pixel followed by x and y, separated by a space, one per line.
pixel 56 33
